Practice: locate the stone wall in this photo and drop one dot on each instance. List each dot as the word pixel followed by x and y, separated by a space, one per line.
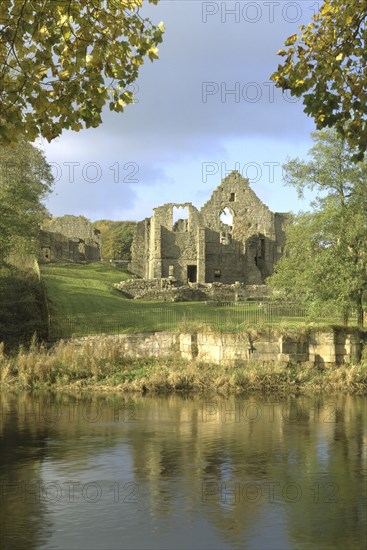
pixel 54 247
pixel 74 227
pixel 69 238
pixel 316 348
pixel 253 230
pixel 169 290
pixel 174 246
pixel 140 249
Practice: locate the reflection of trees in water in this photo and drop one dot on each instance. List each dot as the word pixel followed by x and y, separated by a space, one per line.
pixel 174 453
pixel 333 512
pixel 28 422
pixel 23 448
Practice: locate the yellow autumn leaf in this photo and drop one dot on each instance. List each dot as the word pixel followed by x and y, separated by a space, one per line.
pixel 327 8
pixel 63 19
pixel 41 72
pixel 339 57
pixel 291 40
pixel 44 31
pixel 64 75
pixel 153 52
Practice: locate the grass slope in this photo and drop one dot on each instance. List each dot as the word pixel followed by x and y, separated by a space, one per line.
pixel 82 300
pixel 83 289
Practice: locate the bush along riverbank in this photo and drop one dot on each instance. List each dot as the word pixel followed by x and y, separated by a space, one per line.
pixel 23 307
pixel 103 367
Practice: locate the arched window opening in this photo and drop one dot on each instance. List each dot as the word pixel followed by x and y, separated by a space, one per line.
pixel 226 217
pixel 180 218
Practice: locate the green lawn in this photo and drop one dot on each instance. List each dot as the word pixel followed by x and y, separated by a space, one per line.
pixel 74 289
pixel 82 300
pixel 83 289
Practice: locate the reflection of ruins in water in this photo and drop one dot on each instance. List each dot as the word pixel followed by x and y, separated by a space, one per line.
pixel 298 454
pixel 232 464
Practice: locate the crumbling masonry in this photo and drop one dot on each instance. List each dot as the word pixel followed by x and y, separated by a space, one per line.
pixel 69 239
pixel 204 247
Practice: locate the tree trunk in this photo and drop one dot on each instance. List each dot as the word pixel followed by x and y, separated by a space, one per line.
pixel 345 317
pixel 360 308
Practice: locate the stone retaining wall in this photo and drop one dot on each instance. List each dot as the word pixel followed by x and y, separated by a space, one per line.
pixel 318 348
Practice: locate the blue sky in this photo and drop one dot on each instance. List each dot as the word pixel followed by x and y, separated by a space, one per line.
pixel 206 107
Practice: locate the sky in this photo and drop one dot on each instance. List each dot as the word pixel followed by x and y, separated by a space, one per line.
pixel 205 108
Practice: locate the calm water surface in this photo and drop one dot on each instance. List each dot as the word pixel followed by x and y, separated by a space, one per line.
pixel 106 472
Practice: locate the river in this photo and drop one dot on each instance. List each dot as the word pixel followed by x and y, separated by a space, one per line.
pixel 102 471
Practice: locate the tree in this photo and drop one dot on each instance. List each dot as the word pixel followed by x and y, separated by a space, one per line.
pixel 116 239
pixel 25 179
pixel 22 307
pixel 325 261
pixel 326 64
pixel 60 62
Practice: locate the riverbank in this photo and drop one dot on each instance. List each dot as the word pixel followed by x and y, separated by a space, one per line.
pixel 71 367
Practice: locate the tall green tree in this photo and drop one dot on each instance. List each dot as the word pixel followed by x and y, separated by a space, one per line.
pixel 325 63
pixel 116 238
pixel 25 179
pixel 61 61
pixel 325 261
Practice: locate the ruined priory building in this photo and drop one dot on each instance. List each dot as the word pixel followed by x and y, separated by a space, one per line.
pixel 69 239
pixel 234 237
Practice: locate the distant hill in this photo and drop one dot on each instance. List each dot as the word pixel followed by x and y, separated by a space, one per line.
pixel 116 239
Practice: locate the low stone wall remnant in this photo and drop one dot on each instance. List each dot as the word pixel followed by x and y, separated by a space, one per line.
pixel 170 290
pixel 315 347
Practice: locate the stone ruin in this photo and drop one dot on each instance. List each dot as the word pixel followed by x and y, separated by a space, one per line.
pixel 167 290
pixel 69 239
pixel 233 239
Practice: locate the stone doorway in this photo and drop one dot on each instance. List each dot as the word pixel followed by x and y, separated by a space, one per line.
pixel 192 273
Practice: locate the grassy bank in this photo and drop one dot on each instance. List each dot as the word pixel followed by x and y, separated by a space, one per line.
pixel 83 289
pixel 103 367
pixel 82 301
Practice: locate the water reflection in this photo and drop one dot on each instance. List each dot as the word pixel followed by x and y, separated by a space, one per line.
pixel 140 472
